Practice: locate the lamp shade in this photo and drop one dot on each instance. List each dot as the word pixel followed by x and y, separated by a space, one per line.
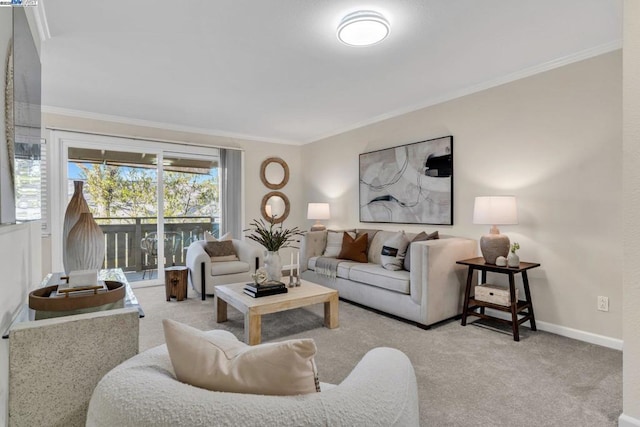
pixel 318 211
pixel 495 210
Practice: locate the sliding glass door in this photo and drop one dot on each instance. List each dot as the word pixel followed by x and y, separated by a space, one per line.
pixel 122 183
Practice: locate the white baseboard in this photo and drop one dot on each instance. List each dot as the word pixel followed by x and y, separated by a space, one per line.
pixel 564 331
pixel 627 421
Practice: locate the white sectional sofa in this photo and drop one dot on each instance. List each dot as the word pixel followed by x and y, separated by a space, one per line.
pixel 431 292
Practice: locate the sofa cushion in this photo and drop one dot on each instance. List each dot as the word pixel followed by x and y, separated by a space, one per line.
pixel 420 237
pixel 231 267
pixel 393 251
pixel 343 267
pixel 375 248
pixel 354 249
pixel 222 363
pixel 375 275
pixel 315 242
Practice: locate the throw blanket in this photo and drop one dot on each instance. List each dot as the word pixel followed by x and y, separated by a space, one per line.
pixel 327 267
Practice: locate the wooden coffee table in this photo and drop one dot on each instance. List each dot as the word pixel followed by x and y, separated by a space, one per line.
pixel 253 308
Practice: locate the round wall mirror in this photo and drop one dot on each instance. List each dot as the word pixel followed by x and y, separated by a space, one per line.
pixel 275 205
pixel 274 173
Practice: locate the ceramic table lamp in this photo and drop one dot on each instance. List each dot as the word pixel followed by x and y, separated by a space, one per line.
pixel 495 210
pixel 318 211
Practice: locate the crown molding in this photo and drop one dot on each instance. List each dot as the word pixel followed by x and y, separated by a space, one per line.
pixel 527 72
pixel 41 22
pixel 160 125
pixel 37 18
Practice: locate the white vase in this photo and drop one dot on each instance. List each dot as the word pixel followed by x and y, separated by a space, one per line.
pixel 85 245
pixel 76 206
pixel 513 260
pixel 273 265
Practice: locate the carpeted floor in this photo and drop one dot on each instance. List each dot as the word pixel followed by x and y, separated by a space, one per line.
pixel 467 376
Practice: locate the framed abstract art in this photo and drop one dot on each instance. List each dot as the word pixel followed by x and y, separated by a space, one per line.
pixel 408 184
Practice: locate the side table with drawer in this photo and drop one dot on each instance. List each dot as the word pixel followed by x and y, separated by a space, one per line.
pixel 514 306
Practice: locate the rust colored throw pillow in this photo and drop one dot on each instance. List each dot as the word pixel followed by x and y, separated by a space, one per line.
pixel 354 249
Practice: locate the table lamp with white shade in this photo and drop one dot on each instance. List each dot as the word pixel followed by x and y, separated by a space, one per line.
pixel 495 210
pixel 318 211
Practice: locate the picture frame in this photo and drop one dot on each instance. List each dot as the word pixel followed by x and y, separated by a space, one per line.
pixel 408 184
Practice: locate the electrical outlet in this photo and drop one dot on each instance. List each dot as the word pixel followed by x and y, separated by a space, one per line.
pixel 603 303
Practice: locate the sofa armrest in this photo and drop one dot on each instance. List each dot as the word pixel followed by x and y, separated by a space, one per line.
pixel 196 255
pixel 312 243
pixel 248 253
pixel 437 282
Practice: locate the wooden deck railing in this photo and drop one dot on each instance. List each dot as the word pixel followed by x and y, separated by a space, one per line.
pixel 123 238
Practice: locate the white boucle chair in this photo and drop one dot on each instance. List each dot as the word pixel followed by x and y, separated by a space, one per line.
pixel 380 391
pixel 204 275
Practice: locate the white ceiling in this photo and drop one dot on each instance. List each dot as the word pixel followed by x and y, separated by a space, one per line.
pixel 273 69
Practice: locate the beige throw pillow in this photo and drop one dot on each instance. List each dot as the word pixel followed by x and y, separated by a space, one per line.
pixel 226 364
pixel 393 251
pixel 211 238
pixel 334 242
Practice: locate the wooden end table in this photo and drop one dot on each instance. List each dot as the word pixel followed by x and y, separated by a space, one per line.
pixel 516 308
pixel 253 308
pixel 175 282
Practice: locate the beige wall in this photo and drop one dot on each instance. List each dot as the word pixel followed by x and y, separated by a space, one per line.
pixel 553 140
pixel 631 194
pixel 255 153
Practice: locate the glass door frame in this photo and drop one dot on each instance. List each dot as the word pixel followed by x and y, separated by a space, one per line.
pixel 58 179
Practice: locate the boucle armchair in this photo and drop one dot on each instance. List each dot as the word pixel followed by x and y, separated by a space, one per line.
pixel 380 391
pixel 204 275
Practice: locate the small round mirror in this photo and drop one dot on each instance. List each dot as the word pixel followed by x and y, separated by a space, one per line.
pixel 274 173
pixel 275 205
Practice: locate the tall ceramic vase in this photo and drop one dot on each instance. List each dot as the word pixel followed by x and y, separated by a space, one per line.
pixel 273 265
pixel 85 244
pixel 76 206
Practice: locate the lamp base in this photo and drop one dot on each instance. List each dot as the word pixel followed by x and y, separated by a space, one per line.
pixel 318 227
pixel 493 246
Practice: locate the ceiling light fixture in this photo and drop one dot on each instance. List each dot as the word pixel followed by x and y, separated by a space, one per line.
pixel 363 28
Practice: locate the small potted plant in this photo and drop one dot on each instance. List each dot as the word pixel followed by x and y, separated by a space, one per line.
pixel 273 238
pixel 513 260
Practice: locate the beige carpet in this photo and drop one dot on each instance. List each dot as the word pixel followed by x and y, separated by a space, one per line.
pixel 467 376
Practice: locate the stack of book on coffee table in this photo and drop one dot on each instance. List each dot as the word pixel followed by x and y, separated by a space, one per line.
pixel 267 288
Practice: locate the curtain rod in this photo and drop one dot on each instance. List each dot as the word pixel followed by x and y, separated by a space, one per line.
pixel 137 138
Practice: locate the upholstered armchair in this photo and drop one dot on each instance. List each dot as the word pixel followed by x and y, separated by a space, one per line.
pixel 204 275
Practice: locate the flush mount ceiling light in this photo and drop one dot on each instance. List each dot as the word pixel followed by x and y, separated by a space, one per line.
pixel 363 28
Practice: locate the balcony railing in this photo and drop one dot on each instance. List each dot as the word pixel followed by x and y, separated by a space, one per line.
pixel 123 237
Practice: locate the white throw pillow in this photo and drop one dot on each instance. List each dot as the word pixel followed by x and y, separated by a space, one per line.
pixel 334 243
pixel 221 363
pixel 393 251
pixel 208 237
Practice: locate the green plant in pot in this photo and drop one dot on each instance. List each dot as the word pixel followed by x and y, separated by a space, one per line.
pixel 272 237
pixel 513 260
